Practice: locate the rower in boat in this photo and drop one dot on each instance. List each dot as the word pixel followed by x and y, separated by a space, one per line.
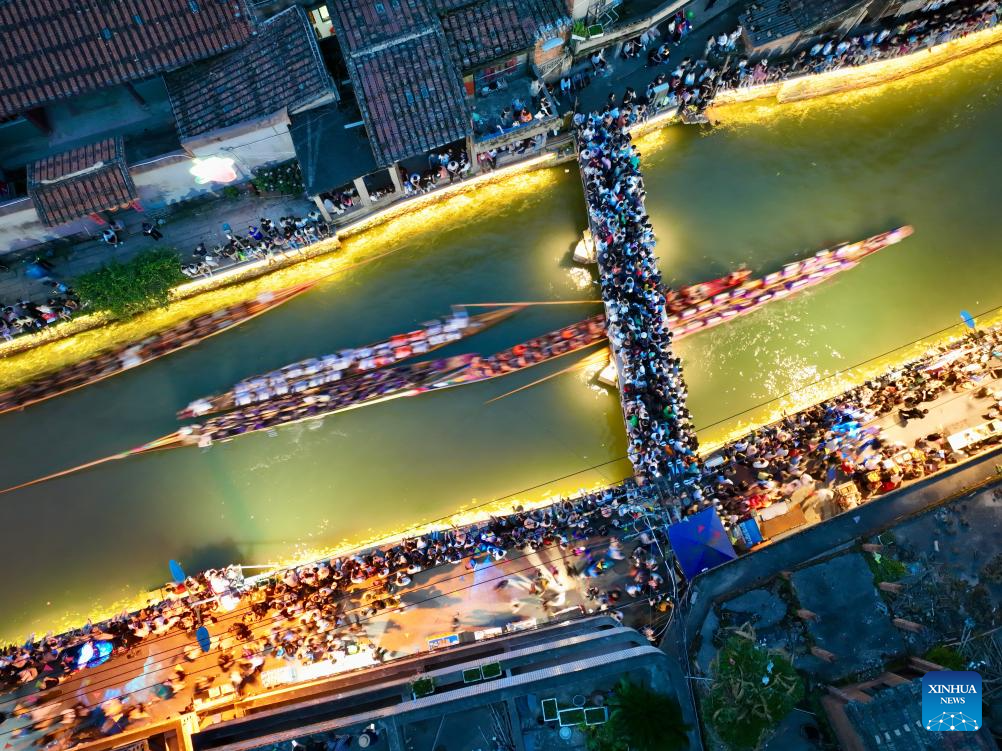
pixel 377 385
pixel 316 373
pixel 133 354
pixel 678 300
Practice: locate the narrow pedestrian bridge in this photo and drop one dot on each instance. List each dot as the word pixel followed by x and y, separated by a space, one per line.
pixel 662 442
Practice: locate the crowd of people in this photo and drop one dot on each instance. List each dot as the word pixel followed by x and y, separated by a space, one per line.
pixel 318 611
pixel 662 442
pixel 846 439
pixel 934 24
pixel 521 109
pixel 267 240
pixel 25 316
pixel 445 166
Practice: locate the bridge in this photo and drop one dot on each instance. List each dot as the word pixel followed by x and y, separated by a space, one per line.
pixel 662 441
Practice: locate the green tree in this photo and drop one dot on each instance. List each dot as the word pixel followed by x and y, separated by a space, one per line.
pixel 125 289
pixel 753 689
pixel 641 719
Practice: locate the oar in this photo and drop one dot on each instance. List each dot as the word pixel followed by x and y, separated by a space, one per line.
pixel 80 467
pixel 580 363
pixel 526 304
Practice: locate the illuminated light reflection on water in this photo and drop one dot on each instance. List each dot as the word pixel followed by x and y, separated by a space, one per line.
pixel 766 187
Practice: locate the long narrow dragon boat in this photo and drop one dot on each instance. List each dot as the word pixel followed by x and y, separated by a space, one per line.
pixel 791 279
pixel 316 373
pixel 120 359
pixel 364 390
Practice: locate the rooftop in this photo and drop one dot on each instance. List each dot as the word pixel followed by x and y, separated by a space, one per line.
pixel 411 96
pixel 52 49
pixel 489 29
pixel 330 154
pixel 773 19
pixel 364 23
pixel 279 68
pixel 892 721
pixel 81 181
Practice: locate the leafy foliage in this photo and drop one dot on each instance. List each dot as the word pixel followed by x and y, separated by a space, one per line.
pixel 753 689
pixel 125 289
pixel 285 178
pixel 640 719
pixel 885 568
pixel 948 657
pixel 423 687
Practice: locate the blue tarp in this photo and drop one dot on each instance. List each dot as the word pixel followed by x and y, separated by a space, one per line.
pixel 700 542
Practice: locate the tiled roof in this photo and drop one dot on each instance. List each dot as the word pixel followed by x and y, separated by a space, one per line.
pixel 491 29
pixel 51 49
pixel 892 721
pixel 363 23
pixel 411 97
pixel 811 13
pixel 774 19
pixel 78 182
pixel 281 67
pixel 444 6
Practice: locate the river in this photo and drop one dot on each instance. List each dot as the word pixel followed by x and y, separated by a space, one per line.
pixel 767 186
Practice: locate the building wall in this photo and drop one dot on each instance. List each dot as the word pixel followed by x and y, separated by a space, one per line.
pixel 772 47
pixel 166 180
pixel 552 62
pixel 251 145
pixel 20 227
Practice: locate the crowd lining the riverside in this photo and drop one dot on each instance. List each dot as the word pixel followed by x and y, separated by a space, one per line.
pixel 306 614
pixel 935 24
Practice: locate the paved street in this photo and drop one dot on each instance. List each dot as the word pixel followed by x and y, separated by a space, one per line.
pixel 190 225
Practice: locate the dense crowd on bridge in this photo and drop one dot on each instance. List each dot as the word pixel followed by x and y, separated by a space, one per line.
pixel 662 442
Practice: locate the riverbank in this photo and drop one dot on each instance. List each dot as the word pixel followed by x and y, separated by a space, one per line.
pixel 843 80
pixel 363 242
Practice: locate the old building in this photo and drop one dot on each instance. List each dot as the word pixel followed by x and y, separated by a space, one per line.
pixel 776 26
pixel 151 91
pixel 433 76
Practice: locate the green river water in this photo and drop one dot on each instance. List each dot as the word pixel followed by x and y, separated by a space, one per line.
pixel 765 189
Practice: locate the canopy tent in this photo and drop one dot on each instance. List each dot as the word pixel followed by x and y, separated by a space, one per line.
pixel 700 542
